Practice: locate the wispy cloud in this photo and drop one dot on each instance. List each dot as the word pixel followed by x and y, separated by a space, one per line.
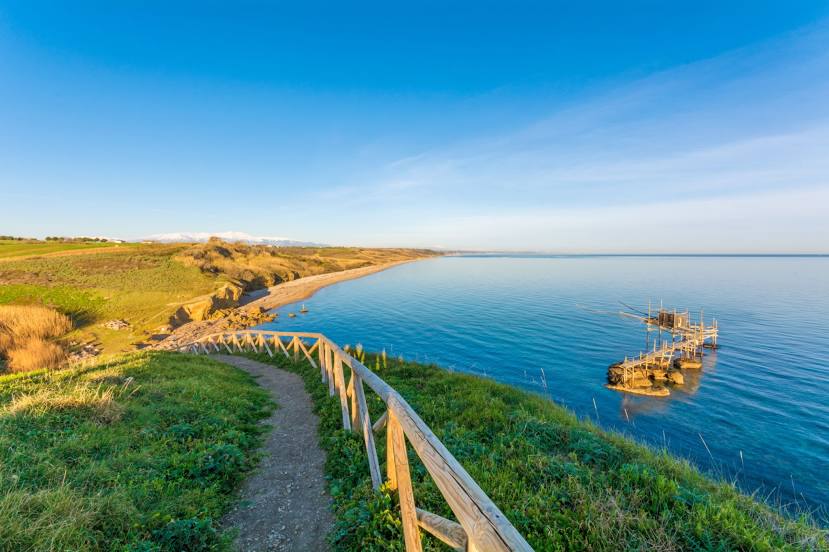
pixel 735 140
pixel 754 223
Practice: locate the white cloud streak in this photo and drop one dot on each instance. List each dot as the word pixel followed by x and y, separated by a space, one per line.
pixel 737 146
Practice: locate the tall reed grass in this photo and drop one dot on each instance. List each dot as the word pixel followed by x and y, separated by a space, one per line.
pixel 25 334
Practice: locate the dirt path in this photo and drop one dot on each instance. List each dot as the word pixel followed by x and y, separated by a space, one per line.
pixel 284 504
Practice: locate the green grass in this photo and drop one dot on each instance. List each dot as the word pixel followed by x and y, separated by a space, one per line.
pixel 563 483
pixel 93 460
pixel 9 248
pixel 142 284
pixel 81 305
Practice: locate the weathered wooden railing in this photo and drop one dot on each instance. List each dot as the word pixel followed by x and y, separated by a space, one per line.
pixel 481 526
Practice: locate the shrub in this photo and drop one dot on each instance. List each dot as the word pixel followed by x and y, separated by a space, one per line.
pixel 35 354
pixel 186 535
pixel 221 463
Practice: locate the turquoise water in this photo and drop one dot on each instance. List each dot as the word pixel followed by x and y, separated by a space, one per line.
pixel 760 404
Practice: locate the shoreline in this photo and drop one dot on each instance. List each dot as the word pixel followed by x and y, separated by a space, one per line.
pixel 274 297
pixel 304 288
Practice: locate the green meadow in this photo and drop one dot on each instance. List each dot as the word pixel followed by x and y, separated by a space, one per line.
pixel 140 453
pixel 143 284
pixel 563 483
pixel 144 452
pixel 18 248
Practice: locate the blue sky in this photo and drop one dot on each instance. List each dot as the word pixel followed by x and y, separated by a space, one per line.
pixel 597 127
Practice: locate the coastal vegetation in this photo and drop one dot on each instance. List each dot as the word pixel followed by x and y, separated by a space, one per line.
pixel 146 285
pixel 143 452
pixel 260 266
pixel 563 483
pixel 140 453
pixel 27 334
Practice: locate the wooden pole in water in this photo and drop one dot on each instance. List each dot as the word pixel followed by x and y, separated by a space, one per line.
pixel 648 326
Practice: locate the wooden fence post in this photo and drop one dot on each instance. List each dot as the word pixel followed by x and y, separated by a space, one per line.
pixel 391 469
pixel 355 414
pixel 321 354
pixel 332 381
pixel 340 385
pixel 368 432
pixel 408 514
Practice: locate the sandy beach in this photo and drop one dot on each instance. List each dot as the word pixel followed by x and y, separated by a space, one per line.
pixel 272 298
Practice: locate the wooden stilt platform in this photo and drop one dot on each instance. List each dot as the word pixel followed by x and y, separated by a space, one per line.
pixel 681 348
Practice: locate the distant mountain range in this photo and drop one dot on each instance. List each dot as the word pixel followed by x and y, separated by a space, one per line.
pixel 231 237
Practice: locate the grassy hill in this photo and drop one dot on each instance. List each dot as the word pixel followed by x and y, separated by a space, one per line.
pixel 141 283
pixel 145 284
pixel 141 453
pixel 564 484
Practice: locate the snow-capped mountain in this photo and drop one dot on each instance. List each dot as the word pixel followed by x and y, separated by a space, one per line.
pixel 231 237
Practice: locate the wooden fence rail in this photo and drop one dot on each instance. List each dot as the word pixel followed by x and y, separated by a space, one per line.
pixel 481 526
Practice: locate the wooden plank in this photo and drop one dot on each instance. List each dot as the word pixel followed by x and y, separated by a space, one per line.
pixel 381 421
pixel 307 352
pixel 315 346
pixel 408 514
pixel 351 394
pixel 446 530
pixel 265 344
pixel 368 433
pixel 294 343
pixel 282 346
pixel 321 355
pixel 269 334
pixel 329 365
pixel 487 528
pixel 252 343
pixel 340 384
pixel 391 469
pixel 224 342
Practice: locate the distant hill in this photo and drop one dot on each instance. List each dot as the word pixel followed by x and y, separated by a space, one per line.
pixel 243 237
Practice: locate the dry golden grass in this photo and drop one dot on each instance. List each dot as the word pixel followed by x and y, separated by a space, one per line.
pixel 259 266
pixel 98 401
pixel 35 354
pixel 6 338
pixel 25 321
pixel 24 334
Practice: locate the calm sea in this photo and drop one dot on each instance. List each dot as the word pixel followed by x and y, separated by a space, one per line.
pixel 760 404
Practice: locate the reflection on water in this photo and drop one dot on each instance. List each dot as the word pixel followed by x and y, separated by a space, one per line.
pixel 759 402
pixel 632 406
pixel 693 378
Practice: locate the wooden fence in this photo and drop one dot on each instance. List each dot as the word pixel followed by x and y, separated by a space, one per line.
pixel 481 526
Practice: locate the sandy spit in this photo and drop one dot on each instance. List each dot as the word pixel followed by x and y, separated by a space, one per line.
pixel 275 297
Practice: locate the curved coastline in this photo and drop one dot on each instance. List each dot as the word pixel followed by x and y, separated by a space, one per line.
pixel 274 297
